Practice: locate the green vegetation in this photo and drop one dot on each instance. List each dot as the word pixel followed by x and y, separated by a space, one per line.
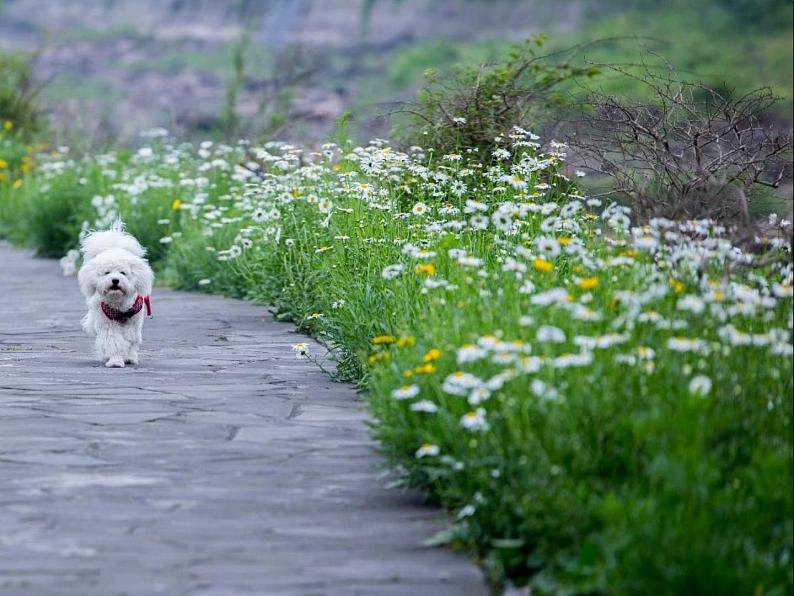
pixel 603 405
pixel 601 411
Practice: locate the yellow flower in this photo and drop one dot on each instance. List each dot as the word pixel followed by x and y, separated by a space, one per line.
pixel 431 355
pixel 425 269
pixel 383 339
pixel 426 369
pixel 8 125
pixel 17 183
pixel 295 193
pixel 677 286
pixel 175 205
pixel 3 164
pixel 408 373
pixel 542 265
pixel 406 340
pixel 377 357
pixel 565 241
pixel 588 283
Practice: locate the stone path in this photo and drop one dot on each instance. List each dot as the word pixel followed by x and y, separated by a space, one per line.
pixel 220 466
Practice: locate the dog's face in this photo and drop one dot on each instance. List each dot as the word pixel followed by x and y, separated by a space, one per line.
pixel 115 282
pixel 116 276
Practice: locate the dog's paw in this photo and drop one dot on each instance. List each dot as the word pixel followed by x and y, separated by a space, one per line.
pixel 133 361
pixel 115 363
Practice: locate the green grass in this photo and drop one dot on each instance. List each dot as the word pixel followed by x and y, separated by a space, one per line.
pixel 629 432
pixel 700 41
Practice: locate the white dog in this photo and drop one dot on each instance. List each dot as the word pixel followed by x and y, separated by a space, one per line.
pixel 116 281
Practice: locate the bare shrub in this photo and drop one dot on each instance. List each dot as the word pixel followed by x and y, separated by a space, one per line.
pixel 691 152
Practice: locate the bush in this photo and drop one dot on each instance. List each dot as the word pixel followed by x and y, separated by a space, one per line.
pixel 474 105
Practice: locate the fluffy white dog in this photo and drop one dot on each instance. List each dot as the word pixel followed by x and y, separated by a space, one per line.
pixel 116 281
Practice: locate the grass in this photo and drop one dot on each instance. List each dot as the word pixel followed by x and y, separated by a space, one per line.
pixel 600 409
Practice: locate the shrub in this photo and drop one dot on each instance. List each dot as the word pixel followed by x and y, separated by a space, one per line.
pixel 474 105
pixel 692 152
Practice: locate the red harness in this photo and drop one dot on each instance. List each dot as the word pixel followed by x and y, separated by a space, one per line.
pixel 122 316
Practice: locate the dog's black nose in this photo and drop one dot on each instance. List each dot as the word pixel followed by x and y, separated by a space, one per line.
pixel 115 281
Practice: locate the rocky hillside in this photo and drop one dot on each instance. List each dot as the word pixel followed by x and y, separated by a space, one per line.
pixel 113 67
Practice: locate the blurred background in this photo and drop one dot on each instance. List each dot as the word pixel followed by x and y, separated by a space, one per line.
pixel 103 70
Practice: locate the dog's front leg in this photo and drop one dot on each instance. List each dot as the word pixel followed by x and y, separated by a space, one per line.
pixel 112 347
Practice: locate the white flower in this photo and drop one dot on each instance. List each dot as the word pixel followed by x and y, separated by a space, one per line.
pixel 470 353
pixel 548 247
pixel 424 405
pixel 684 344
pixel 301 350
pixel 419 209
pixel 474 206
pixel 392 271
pixel 460 383
pixel 474 421
pixel 478 394
pixel 325 206
pixel 700 385
pixel 204 282
pixel 691 303
pixel 427 450
pixel 548 333
pixel 543 390
pixel 405 392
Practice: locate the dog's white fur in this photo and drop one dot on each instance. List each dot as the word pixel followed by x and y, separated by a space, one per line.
pixel 107 256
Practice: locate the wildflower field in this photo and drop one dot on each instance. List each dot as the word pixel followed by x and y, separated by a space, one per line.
pixel 603 407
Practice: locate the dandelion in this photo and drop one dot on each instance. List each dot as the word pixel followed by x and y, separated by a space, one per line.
pixel 425 369
pixel 427 450
pixel 431 355
pixel 588 283
pixel 383 339
pixel 406 341
pixel 542 265
pixel 177 203
pixel 405 392
pixel 425 269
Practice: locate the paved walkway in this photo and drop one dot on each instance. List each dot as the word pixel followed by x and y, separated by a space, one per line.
pixel 220 466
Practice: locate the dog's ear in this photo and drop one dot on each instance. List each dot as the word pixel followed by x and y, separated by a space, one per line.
pixel 142 276
pixel 87 278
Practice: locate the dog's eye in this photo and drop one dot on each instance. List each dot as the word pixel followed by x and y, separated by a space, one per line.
pixel 124 274
pixel 107 272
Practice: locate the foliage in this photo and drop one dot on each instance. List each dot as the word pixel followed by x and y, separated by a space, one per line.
pixel 17 96
pixel 701 40
pixel 474 105
pixel 604 409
